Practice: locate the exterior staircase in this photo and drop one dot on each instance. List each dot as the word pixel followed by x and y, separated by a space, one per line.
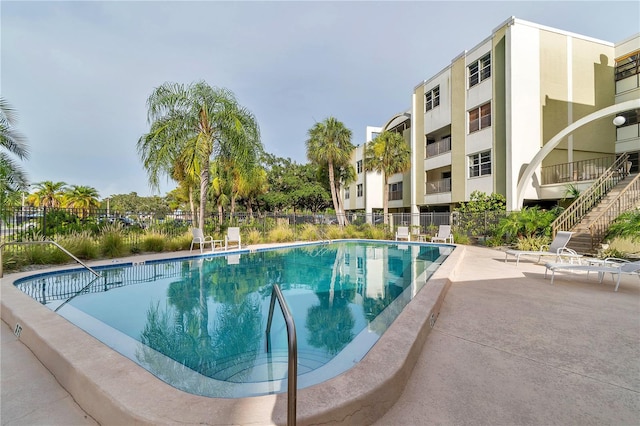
pixel 589 216
pixel 585 239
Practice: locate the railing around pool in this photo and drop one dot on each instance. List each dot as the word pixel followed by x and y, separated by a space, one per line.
pixel 44 242
pixel 292 380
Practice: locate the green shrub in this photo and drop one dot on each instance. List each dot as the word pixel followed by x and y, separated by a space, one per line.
pixel 533 243
pixel 352 231
pixel 253 236
pixel 281 234
pixel 373 232
pixel 494 241
pixel 528 222
pixel 611 252
pixel 309 232
pixel 627 225
pixel 112 241
pixel 181 242
pixel 460 238
pixel 80 244
pixel 153 242
pixel 334 232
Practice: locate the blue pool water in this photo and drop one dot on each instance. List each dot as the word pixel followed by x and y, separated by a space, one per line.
pixel 199 323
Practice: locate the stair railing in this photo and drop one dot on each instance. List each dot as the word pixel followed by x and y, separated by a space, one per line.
pixel 44 242
pixel 589 198
pixel 292 380
pixel 628 199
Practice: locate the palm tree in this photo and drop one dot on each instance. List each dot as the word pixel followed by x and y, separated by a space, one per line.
pixel 13 178
pixel 48 194
pixel 82 197
pixel 189 125
pixel 330 144
pixel 388 154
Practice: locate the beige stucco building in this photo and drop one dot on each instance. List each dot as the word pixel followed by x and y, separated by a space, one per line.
pixel 478 123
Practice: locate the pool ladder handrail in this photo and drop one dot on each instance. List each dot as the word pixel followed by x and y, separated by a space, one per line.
pixel 44 242
pixel 292 379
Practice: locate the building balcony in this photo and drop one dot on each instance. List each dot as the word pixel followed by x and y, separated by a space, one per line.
pixel 438 186
pixel 576 171
pixel 437 148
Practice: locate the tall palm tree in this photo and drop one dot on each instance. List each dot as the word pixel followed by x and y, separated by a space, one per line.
pixel 330 144
pixel 193 123
pixel 388 154
pixel 48 194
pixel 82 197
pixel 12 177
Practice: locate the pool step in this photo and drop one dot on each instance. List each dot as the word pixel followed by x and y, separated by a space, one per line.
pixel 254 367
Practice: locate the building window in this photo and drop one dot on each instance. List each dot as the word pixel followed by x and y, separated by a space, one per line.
pixel 480 164
pixel 480 70
pixel 628 66
pixel 359 190
pixel 432 99
pixel 359 166
pixel 395 191
pixel 347 194
pixel 480 118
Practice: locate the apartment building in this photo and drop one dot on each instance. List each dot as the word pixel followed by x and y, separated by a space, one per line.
pixel 365 193
pixel 480 123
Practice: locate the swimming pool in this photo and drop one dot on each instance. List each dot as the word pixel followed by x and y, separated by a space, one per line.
pixel 198 323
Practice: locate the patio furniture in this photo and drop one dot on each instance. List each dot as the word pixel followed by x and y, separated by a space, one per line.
pixel 200 239
pixel 557 248
pixel 232 239
pixel 402 233
pixel 611 265
pixel 444 235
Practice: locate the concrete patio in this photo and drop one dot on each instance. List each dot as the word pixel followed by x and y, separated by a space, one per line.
pixel 508 348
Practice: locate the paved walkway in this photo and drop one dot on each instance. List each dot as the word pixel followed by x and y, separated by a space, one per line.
pixel 508 348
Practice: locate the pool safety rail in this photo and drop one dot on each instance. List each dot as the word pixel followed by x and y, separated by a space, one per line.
pixel 292 380
pixel 44 242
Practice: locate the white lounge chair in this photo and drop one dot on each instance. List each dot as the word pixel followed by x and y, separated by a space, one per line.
pixel 199 238
pixel 444 235
pixel 557 248
pixel 403 233
pixel 607 266
pixel 232 239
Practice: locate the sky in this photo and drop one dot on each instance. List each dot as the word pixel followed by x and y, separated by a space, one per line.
pixel 78 73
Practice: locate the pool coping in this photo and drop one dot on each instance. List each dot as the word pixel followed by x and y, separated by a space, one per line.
pixel 115 390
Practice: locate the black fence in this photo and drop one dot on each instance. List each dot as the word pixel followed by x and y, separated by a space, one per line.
pixel 30 224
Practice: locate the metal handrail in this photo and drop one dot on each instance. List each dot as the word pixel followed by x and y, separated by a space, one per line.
pixel 44 242
pixel 626 200
pixel 292 380
pixel 591 196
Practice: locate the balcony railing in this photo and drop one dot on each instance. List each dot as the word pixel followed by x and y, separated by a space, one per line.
pixel 576 171
pixel 395 195
pixel 439 147
pixel 438 186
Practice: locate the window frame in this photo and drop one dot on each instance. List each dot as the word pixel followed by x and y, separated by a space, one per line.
pixel 480 164
pixel 359 166
pixel 432 99
pixel 627 66
pixel 476 121
pixel 479 70
pixel 359 190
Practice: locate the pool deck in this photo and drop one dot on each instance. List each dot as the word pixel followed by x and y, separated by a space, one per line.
pixel 508 348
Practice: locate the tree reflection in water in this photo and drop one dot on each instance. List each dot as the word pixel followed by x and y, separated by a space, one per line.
pixel 184 331
pixel 214 318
